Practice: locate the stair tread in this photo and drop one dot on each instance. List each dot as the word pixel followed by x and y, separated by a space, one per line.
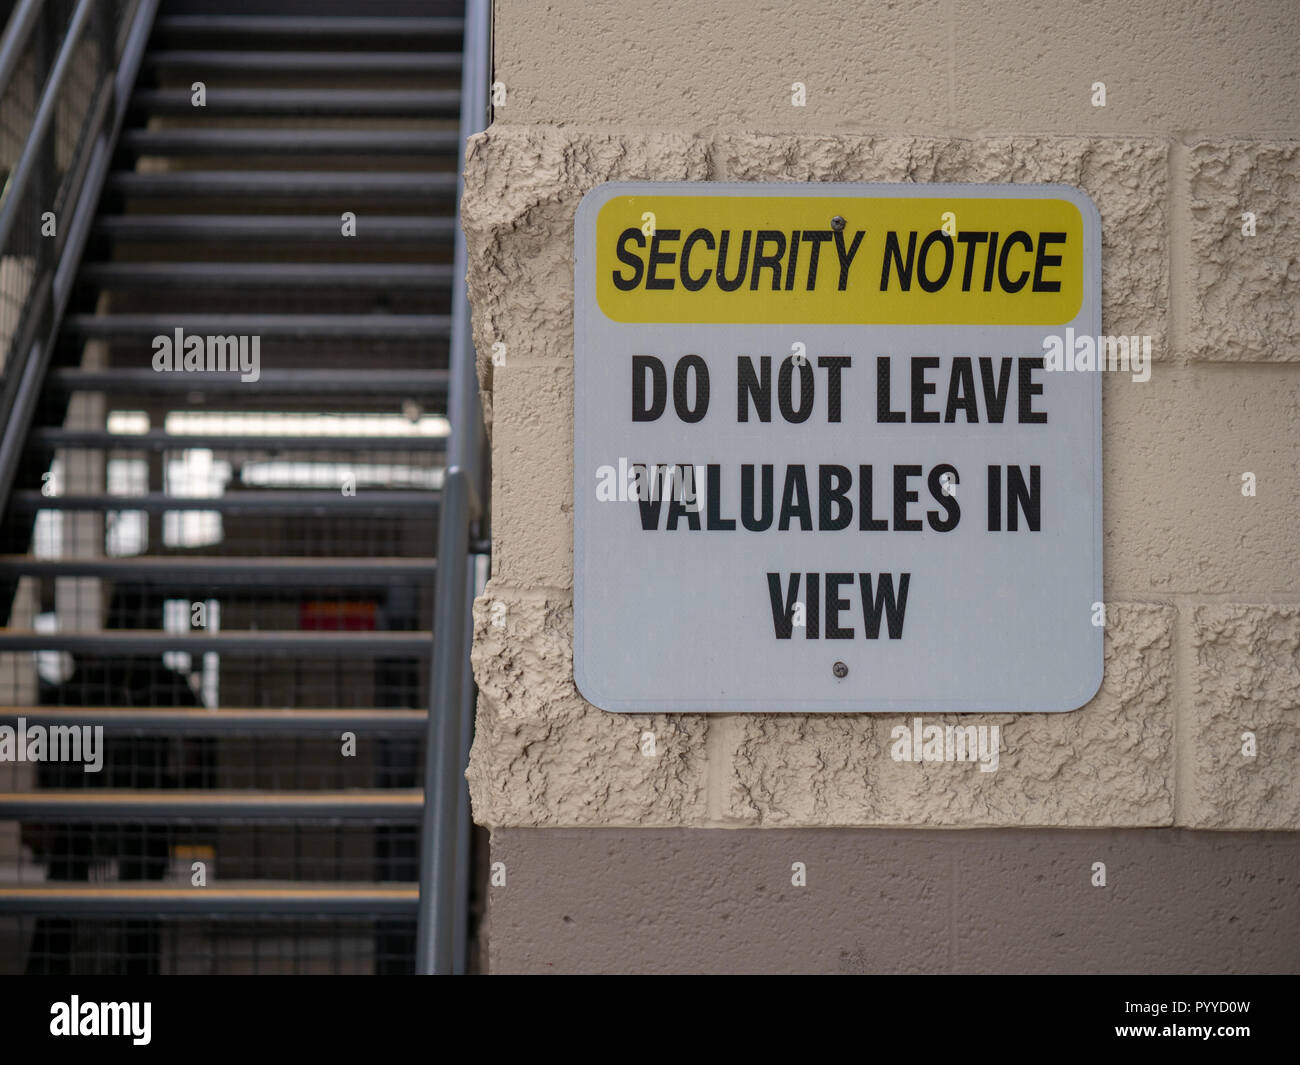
pixel 427 103
pixel 308 378
pixel 407 276
pixel 198 636
pixel 325 889
pixel 268 228
pixel 201 712
pixel 191 719
pixel 304 382
pixel 282 141
pixel 112 222
pixel 217 566
pixel 280 326
pixel 304 643
pixel 281 182
pixel 334 62
pixel 232 562
pixel 297 501
pixel 200 796
pixel 168 804
pixel 161 440
pixel 346 26
pixel 248 897
pixel 249 573
pixel 156 271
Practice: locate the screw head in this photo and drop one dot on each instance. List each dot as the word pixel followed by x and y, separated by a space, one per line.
pixel 840 670
pixel 838 223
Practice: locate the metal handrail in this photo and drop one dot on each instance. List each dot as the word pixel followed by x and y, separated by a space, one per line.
pixel 22 174
pixel 17 31
pixel 46 299
pixel 445 827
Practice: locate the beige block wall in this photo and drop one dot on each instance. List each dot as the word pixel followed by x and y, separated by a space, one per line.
pixel 1201 125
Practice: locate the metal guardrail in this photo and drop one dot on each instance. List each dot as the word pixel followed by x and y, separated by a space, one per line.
pixel 445 835
pixel 49 178
pixel 71 178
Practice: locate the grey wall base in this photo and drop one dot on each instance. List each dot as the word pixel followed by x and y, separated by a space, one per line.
pixel 894 901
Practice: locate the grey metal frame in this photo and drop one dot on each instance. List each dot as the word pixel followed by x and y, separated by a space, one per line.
pixel 25 169
pixel 29 357
pixel 19 29
pixel 444 829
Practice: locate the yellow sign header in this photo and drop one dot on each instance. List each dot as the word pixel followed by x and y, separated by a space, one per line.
pixel 840 260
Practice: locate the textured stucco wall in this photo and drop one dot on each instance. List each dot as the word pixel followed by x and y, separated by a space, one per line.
pixel 1201 124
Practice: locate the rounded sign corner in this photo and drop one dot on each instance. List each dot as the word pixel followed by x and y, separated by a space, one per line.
pixel 589 691
pixel 1091 686
pixel 1084 202
pixel 593 200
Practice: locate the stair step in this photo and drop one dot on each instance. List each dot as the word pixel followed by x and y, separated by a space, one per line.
pixel 104 804
pixel 367 502
pixel 197 60
pixel 161 440
pixel 362 644
pixel 397 103
pixel 263 229
pixel 344 27
pixel 220 897
pixel 408 277
pixel 290 142
pixel 267 326
pixel 192 721
pixel 219 571
pixel 294 184
pixel 351 383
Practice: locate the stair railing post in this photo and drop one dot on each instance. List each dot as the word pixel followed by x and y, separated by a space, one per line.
pixel 435 945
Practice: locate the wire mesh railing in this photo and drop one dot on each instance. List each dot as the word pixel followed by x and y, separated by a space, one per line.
pixel 208 945
pixel 54 82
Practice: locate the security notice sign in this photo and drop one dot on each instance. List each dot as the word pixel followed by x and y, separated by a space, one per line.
pixel 833 450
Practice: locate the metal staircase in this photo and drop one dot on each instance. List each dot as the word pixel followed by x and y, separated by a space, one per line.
pixel 256 579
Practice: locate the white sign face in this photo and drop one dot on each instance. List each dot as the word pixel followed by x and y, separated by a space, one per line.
pixel 838 447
